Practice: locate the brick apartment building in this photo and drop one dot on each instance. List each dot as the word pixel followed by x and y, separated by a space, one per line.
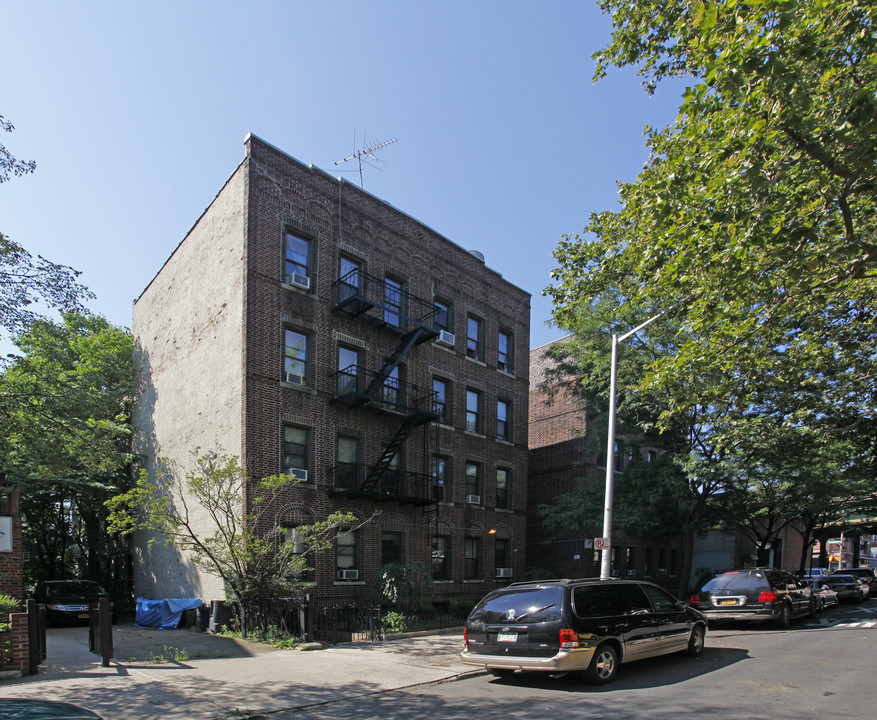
pixel 312 329
pixel 560 456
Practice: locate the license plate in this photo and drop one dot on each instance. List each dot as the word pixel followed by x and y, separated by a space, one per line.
pixel 507 637
pixel 83 616
pixel 727 602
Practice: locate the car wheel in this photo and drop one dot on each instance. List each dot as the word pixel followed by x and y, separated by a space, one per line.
pixel 821 606
pixel 603 667
pixel 501 672
pixel 784 619
pixel 695 641
pixel 812 609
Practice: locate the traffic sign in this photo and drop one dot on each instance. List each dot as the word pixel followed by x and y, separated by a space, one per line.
pixel 602 543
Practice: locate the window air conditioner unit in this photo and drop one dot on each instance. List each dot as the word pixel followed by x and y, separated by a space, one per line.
pixel 295 379
pixel 614 573
pixel 503 572
pixel 631 573
pixel 298 280
pixel 347 575
pixel 298 473
pixel 473 499
pixel 446 338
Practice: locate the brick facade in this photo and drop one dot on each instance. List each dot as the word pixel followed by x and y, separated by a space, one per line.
pixel 211 331
pixel 560 457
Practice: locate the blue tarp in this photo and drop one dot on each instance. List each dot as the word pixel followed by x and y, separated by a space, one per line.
pixel 163 614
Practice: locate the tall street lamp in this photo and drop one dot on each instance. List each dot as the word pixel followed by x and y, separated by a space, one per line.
pixel 606 556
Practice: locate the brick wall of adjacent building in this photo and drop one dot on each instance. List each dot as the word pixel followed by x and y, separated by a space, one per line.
pixel 279 193
pixel 561 459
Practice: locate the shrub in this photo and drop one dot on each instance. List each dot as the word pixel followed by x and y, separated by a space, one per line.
pixel 462 608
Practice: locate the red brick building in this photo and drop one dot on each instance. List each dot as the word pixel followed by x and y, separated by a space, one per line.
pixel 313 329
pixel 562 455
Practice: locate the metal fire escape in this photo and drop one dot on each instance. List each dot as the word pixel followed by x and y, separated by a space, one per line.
pixel 386 305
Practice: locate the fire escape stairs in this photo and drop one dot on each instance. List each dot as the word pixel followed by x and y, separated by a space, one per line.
pixel 412 420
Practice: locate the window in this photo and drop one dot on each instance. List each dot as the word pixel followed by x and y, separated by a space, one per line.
pixel 390 396
pixel 475 338
pixel 505 352
pixel 392 302
pixel 442 400
pixel 347 556
pixel 473 411
pixel 390 480
pixel 440 487
pixel 630 560
pixel 472 558
pixel 295 452
pixel 501 557
pixel 350 278
pixel 503 424
pixel 298 260
pixel 348 367
pixel 441 557
pixel 502 488
pixel 473 483
pixel 295 360
pixel 652 456
pixel 391 548
pixel 346 463
pixel 441 314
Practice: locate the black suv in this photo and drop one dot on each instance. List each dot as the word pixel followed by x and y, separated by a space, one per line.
pixel 754 595
pixel 587 625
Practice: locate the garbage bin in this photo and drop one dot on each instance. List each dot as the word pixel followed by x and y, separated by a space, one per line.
pixel 203 620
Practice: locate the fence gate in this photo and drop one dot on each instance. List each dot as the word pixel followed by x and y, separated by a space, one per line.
pixel 337 621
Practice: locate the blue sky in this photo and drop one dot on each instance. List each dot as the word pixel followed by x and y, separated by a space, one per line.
pixel 136 114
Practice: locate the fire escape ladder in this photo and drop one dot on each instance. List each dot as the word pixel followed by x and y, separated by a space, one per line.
pixel 406 343
pixel 376 471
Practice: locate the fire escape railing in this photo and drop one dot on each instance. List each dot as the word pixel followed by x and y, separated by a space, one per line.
pixel 352 480
pixel 382 302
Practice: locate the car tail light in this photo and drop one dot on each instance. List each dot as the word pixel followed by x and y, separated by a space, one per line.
pixel 465 638
pixel 569 639
pixel 694 600
pixel 767 597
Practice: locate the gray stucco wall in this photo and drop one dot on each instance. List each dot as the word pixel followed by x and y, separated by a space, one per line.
pixel 193 309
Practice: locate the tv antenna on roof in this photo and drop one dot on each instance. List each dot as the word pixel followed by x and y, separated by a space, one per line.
pixel 367 152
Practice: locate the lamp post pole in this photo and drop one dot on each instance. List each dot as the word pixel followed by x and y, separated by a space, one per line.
pixel 606 556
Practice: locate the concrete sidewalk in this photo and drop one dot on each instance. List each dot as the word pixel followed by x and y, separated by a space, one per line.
pixel 256 680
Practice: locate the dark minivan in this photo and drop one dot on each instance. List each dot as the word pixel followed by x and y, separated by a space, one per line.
pixel 589 626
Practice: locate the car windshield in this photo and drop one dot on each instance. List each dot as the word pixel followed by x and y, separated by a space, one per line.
pixel 520 605
pixel 736 581
pixel 73 590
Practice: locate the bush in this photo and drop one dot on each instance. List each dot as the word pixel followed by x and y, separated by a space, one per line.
pixel 8 604
pixel 462 608
pixel 395 622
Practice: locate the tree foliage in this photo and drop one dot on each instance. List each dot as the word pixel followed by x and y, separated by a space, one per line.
pixel 65 440
pixel 756 207
pixel 244 546
pixel 25 280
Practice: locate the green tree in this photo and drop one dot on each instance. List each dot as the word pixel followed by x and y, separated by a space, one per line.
pixel 240 542
pixel 756 206
pixel 23 280
pixel 65 439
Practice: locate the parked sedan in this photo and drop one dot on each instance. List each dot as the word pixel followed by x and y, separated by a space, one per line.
pixel 869 575
pixel 847 587
pixel 28 709
pixel 824 595
pixel 68 600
